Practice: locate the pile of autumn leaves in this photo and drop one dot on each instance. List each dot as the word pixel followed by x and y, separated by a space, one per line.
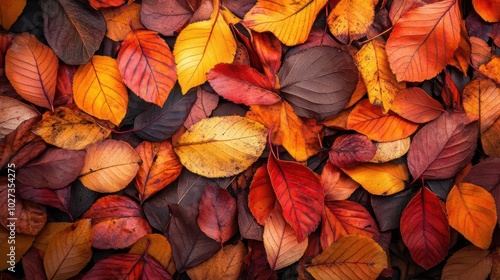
pixel 291 97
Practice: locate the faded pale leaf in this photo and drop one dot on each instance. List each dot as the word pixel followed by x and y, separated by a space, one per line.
pixel 387 151
pixel 12 113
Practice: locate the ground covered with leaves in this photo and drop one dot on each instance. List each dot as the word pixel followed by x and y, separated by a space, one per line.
pixel 225 139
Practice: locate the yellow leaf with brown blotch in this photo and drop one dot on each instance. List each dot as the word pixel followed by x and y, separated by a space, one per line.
pixel 202 45
pixel 380 82
pixel 492 69
pixel 350 19
pixel 380 179
pixel 289 20
pixel 471 211
pixel 98 89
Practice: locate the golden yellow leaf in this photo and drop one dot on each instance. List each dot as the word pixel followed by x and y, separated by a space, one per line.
pixel 350 257
pixel 68 251
pixel 225 264
pixel 47 233
pixel 23 243
pixel 221 146
pixel 289 20
pixel 12 113
pixel 10 10
pixel 380 179
pixel 202 45
pixel 158 247
pixel 472 212
pixel 98 89
pixel 69 129
pixel 387 151
pixel 380 82
pixel 110 165
pixel 492 69
pixel 468 263
pixel 121 20
pixel 350 19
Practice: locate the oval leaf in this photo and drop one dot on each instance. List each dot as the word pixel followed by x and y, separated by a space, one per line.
pixel 489 10
pixel 349 150
pixel 32 70
pixel 349 20
pixel 480 99
pixel 380 179
pixel 336 184
pixel 12 113
pixel 10 10
pixel 425 229
pixel 98 89
pixel 415 105
pixel 387 151
pixel 472 212
pixel 468 263
pixel 164 16
pixel 299 193
pixel 158 247
pixel 261 199
pixel 147 66
pixel 110 165
pixel 221 146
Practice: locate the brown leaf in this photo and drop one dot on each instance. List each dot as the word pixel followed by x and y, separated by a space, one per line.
pixel 12 114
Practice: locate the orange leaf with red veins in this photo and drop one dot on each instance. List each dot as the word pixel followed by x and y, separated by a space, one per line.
pixel 369 120
pixel 242 84
pixel 416 54
pixel 147 66
pixel 425 229
pixel 117 222
pixel 128 266
pixel 415 105
pixel 31 68
pixel 299 193
pixel 489 10
pixel 336 184
pixel 217 214
pixel 349 150
pixel 261 199
pixel 346 217
pixel 160 167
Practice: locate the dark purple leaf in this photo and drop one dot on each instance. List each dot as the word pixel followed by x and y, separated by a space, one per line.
pixel 81 199
pixel 388 209
pixel 54 198
pixel 249 228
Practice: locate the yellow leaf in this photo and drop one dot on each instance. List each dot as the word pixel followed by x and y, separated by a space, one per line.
pixel 280 242
pixel 380 179
pixel 387 151
pixel 350 257
pixel 200 46
pixel 23 243
pixel 221 146
pixel 10 10
pixel 69 251
pixel 69 129
pixel 380 82
pixel 121 20
pixel 472 212
pixel 350 19
pixel 225 264
pixel 468 263
pixel 98 89
pixel 492 69
pixel 289 20
pixel 110 165
pixel 158 247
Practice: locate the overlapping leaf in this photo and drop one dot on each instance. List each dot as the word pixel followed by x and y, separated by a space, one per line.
pixel 128 266
pixel 349 20
pixel 488 10
pixel 349 150
pixel 121 20
pixel 416 106
pixel 469 263
pixel 261 199
pixel 480 99
pixel 10 10
pixel 12 113
pixel 380 179
pixel 164 16
pixel 158 247
pixel 336 184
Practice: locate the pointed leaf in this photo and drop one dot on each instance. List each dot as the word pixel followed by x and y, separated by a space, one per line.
pixel 388 151
pixel 12 113
pixel 158 247
pixel 32 70
pixel 468 263
pixel 54 198
pixel 200 46
pixel 248 226
pixel 327 85
pixel 202 108
pixel 280 242
pixel 290 21
pixel 299 193
pixel 472 212
pixel 417 54
pixel 350 257
pixel 261 199
pixel 99 90
pixel 489 10
pixel 128 266
pixel 380 179
pixel 221 146
pixel 350 150
pixel 69 251
pixel 336 184
pixel 73 29
pixel 164 16
pixel 110 165
pixel 121 20
pixel 442 147
pixel 369 120
pixel 480 99
pixel 425 229
pixel 10 11
pixel 349 20
pixel 147 66
pixel 415 105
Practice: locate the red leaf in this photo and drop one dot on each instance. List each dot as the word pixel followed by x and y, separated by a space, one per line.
pixel 54 198
pixel 425 229
pixel 242 84
pixel 416 106
pixel 299 193
pixel 205 103
pixel 128 266
pixel 443 147
pixel 261 198
pixel 348 150
pixel 217 217
pixel 268 49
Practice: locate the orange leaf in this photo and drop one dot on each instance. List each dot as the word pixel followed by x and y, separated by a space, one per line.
pixel 490 139
pixel 10 10
pixel 98 89
pixel 158 247
pixel 110 165
pixel 261 199
pixel 349 20
pixel 489 10
pixel 128 266
pixel 299 193
pixel 336 185
pixel 369 120
pixel 417 54
pixel 32 70
pixel 480 51
pixel 23 244
pixel 468 263
pixel 68 251
pixel 160 167
pixel 492 69
pixel 472 212
pixel 415 105
pixel 480 99
pixel 147 66
pixel 380 179
pixel 462 56
pixel 280 242
pixel 98 4
pixel 121 20
pixel 350 257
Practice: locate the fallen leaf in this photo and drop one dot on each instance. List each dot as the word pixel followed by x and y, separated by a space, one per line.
pixel 349 20
pixel 99 4
pixel 158 247
pixel 490 141
pixel 489 10
pixel 388 151
pixel 351 149
pixel 261 199
pixel 128 266
pixel 468 263
pixel 10 11
pixel 336 184
pixel 121 20
pixel 59 198
pixel 380 179
pixel 415 105
pixel 480 51
pixel 479 100
pixel 248 226
pixel 12 113
pixel 15 140
pixel 23 243
pixel 202 108
pixel 48 232
pixel 268 49
pixel 164 16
